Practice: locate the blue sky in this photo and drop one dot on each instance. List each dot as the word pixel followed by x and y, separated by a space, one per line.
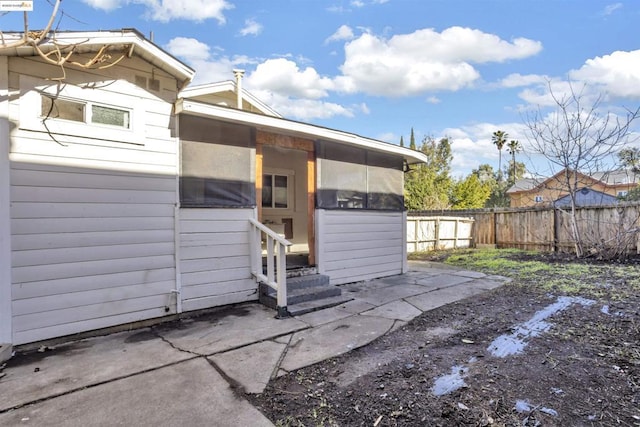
pixel 456 68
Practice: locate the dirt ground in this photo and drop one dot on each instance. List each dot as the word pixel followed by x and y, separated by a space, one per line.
pixel 558 346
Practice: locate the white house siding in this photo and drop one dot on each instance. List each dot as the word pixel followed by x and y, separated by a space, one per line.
pixel 215 267
pixel 92 215
pixel 360 245
pixel 6 331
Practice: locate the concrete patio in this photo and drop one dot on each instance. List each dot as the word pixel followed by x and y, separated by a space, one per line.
pixel 197 371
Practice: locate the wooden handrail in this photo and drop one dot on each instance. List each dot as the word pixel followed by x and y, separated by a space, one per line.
pixel 269 232
pixel 276 276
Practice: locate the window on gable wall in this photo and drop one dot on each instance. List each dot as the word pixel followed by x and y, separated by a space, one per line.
pixel 539 199
pixel 78 111
pixel 67 111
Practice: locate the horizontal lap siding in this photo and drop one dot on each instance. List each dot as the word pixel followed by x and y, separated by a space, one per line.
pixel 215 264
pixel 360 245
pixel 79 262
pixel 92 220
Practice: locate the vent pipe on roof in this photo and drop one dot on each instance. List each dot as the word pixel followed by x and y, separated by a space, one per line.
pixel 239 74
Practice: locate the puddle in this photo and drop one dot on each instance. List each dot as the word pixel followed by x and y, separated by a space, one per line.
pixel 451 382
pixel 510 344
pixel 515 342
pixel 525 406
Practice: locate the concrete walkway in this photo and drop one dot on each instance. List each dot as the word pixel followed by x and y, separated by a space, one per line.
pixel 197 371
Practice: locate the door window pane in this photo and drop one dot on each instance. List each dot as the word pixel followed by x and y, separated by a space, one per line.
pixel 267 184
pixel 275 191
pixel 280 191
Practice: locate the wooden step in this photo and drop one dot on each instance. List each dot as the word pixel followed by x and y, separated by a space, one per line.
pixel 304 294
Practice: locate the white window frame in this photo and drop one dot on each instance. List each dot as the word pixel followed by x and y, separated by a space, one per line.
pixel 538 199
pixel 32 90
pixel 622 193
pixel 290 174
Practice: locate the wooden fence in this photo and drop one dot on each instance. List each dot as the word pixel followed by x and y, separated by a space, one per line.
pixel 549 229
pixel 438 232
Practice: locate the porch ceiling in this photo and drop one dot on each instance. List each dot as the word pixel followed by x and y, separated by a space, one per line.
pixel 299 129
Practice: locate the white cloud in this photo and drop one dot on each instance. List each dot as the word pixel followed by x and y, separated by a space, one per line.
pixel 104 4
pixel 519 80
pixel 617 74
pixel 357 3
pixel 284 77
pixel 609 9
pixel 606 78
pixel 403 65
pixel 167 10
pixel 279 83
pixel 209 67
pixel 343 33
pixel 188 48
pixel 301 109
pixel 251 28
pixel 425 60
pixel 390 137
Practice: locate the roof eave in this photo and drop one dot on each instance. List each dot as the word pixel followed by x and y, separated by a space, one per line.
pixel 230 85
pixel 94 40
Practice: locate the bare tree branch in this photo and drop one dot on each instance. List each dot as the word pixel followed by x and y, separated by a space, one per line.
pixel 577 139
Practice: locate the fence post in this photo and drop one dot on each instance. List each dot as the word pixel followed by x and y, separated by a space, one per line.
pixel 455 234
pixel 495 228
pixel 555 230
pixel 437 230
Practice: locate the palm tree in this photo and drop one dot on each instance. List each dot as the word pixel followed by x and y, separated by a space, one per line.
pixel 499 138
pixel 513 147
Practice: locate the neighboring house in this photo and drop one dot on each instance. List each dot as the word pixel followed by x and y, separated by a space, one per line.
pixel 587 197
pixel 602 188
pixel 125 197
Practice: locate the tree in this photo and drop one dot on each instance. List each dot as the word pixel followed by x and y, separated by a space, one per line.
pixel 630 158
pixel 470 193
pixel 513 147
pixel 485 173
pixel 401 141
pixel 61 55
pixel 427 186
pixel 412 141
pixel 516 171
pixel 497 188
pixel 499 139
pixel 577 137
pixel 29 37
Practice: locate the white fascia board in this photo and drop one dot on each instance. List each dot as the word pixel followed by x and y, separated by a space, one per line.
pixel 92 41
pixel 305 130
pixel 206 89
